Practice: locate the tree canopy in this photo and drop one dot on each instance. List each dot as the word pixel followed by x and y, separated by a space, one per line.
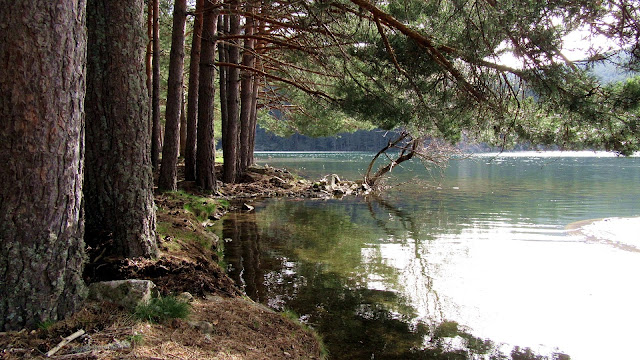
pixel 438 67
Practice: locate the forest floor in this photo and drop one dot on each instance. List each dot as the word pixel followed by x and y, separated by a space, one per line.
pixel 222 324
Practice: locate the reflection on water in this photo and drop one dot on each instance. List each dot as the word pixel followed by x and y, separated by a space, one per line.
pixel 466 268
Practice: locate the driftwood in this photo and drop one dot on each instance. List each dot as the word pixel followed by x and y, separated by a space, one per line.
pixel 64 342
pixel 435 153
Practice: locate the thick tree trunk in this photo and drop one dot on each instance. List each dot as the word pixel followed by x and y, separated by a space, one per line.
pixel 42 89
pixel 118 182
pixel 230 133
pixel 168 169
pixel 192 105
pixel 246 94
pixel 156 130
pixel 205 156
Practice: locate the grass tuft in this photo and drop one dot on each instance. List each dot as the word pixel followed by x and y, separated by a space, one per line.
pixel 46 325
pixel 162 309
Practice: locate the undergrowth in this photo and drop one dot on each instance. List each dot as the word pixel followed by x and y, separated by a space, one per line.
pixel 201 207
pixel 161 309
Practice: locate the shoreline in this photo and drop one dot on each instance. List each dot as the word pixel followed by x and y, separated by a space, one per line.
pixel 620 232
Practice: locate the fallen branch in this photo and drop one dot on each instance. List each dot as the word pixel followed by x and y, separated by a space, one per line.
pixel 64 342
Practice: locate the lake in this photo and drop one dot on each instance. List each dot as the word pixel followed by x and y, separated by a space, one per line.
pixel 477 261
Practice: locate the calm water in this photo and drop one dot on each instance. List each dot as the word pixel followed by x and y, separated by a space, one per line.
pixel 470 263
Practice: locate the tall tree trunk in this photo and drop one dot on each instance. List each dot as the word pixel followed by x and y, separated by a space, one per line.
pixel 254 120
pixel 223 56
pixel 205 155
pixel 156 131
pixel 230 133
pixel 246 93
pixel 254 94
pixel 149 54
pixel 192 105
pixel 118 182
pixel 183 125
pixel 168 169
pixel 42 89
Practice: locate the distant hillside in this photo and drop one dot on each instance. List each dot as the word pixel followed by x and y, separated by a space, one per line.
pixel 608 71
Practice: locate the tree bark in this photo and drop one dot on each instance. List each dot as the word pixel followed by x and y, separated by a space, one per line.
pixel 230 133
pixel 223 56
pixel 156 130
pixel 171 148
pixel 42 89
pixel 259 27
pixel 118 183
pixel 183 126
pixel 192 105
pixel 205 155
pixel 246 93
pixel 149 54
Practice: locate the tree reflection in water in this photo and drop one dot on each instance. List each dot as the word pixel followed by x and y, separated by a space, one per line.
pixel 313 259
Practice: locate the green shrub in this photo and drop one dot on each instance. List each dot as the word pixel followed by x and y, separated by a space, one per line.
pixel 161 309
pixel 46 325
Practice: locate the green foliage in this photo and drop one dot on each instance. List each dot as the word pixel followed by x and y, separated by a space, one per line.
pixel 291 315
pixel 161 309
pixel 456 87
pixel 200 206
pixel 219 251
pixel 136 339
pixel 201 209
pixel 626 94
pixel 46 325
pixel 446 329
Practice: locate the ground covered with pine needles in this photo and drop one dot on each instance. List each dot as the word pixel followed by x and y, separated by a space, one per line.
pixel 221 324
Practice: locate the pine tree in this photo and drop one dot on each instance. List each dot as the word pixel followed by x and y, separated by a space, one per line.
pixel 170 150
pixel 42 89
pixel 118 179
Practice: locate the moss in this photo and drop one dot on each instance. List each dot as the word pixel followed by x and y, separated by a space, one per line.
pixel 201 207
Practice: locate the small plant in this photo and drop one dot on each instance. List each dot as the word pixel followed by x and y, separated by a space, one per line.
pixel 46 325
pixel 161 309
pixel 291 315
pixel 136 339
pixel 219 251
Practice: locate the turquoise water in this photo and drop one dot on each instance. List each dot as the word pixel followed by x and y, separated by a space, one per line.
pixel 468 263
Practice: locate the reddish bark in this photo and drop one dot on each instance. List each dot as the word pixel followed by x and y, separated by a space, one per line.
pixel 192 105
pixel 41 146
pixel 170 150
pixel 205 153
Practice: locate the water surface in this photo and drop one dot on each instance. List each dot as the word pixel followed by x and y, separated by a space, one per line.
pixel 474 261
